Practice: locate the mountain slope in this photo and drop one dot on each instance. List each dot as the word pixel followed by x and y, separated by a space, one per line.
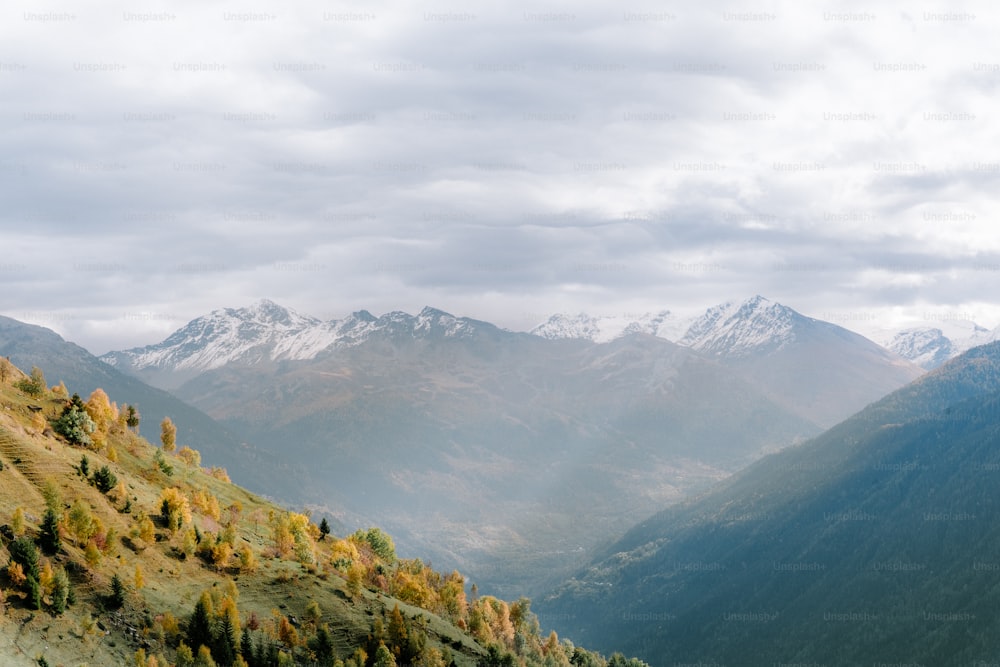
pixel 28 345
pixel 875 542
pixel 821 371
pixel 161 556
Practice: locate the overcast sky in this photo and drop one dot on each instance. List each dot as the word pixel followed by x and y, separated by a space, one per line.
pixel 500 160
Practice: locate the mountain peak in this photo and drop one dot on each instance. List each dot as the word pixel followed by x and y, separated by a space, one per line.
pixel 605 328
pixel 266 311
pixel 737 328
pixel 929 347
pixel 363 316
pixel 428 311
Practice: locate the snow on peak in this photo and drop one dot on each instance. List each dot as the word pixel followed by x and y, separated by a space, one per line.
pixel 430 319
pixel 737 328
pixel 929 347
pixel 266 331
pixel 225 335
pixel 605 328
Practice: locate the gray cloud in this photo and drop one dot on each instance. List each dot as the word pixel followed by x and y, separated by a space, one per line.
pixel 503 161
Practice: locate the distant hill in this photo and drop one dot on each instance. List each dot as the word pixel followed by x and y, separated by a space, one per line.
pixel 116 552
pixel 875 543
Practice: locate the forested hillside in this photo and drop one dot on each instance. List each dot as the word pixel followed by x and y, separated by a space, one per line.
pixel 118 551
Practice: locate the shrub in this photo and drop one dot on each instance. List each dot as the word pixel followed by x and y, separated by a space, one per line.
pixel 33 385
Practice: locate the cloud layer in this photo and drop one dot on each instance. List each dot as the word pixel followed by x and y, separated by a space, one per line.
pixel 503 162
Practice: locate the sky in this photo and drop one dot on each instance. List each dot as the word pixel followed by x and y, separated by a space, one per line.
pixel 497 160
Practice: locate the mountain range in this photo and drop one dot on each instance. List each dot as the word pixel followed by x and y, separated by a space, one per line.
pixel 874 543
pixel 443 421
pixel 925 346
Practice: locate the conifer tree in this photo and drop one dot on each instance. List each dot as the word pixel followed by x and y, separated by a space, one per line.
pixel 48 538
pixel 117 598
pixel 131 417
pixel 74 423
pixel 60 591
pixel 324 529
pixel 200 626
pixel 224 644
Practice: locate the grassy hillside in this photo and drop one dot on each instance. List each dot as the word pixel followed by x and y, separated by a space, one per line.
pixel 27 345
pixel 118 552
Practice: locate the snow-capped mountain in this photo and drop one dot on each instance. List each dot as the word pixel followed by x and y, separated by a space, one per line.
pixel 929 347
pixel 729 329
pixel 925 346
pixel 267 332
pixel 823 369
pixel 605 328
pixel 736 329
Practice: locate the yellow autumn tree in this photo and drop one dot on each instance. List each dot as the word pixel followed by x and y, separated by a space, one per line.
pixel 98 406
pixel 174 508
pixel 189 456
pixel 168 435
pixel 17 522
pixel 248 560
pixel 82 523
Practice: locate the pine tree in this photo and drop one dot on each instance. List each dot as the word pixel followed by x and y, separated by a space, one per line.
pixel 224 644
pixel 48 538
pixel 246 646
pixel 24 553
pixel 322 646
pixel 324 529
pixel 104 479
pixel 74 423
pixel 117 597
pixel 131 417
pixel 35 593
pixel 199 631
